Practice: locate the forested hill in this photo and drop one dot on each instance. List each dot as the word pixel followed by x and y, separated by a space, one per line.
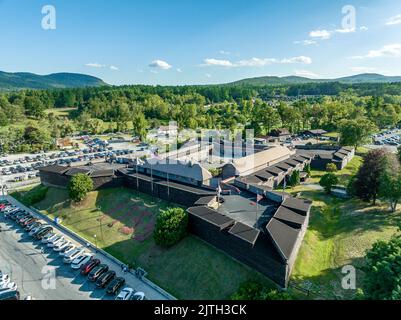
pixel 18 81
pixel 291 80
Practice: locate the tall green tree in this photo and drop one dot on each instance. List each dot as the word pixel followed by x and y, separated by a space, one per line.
pixel 356 132
pixel 80 185
pixel 366 183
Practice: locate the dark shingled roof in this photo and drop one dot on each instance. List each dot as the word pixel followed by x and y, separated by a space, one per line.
pixel 264 175
pixel 212 217
pixel 74 171
pixel 284 166
pixel 299 159
pixel 205 201
pixel 102 173
pixel 274 170
pixel 298 205
pixel 317 131
pixel 251 179
pixel 283 236
pixel 340 155
pixel 292 163
pixel 286 215
pixel 306 156
pixel 245 233
pixel 327 156
pixel 55 169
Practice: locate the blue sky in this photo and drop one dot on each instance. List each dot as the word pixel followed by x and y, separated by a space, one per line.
pixel 199 42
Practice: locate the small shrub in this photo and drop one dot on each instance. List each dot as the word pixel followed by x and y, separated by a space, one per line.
pixel 331 167
pixel 252 290
pixel 328 181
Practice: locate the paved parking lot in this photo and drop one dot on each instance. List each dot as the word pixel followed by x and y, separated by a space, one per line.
pixel 24 260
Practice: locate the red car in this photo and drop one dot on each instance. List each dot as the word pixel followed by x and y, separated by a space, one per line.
pixel 89 266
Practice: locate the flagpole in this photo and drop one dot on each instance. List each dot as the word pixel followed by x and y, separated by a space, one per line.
pixel 257 208
pixel 137 178
pixel 168 188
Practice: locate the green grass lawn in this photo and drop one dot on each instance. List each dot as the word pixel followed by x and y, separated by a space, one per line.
pixel 339 234
pixel 61 112
pixel 190 270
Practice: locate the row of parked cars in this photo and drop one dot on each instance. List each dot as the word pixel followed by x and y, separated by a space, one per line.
pixel 8 289
pixel 75 256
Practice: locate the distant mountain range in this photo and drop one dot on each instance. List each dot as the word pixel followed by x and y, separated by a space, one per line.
pixel 22 80
pixel 360 78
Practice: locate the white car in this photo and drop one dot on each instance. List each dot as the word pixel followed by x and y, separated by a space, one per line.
pixel 61 245
pixel 4 280
pixel 54 241
pixel 49 237
pixel 68 249
pixel 11 286
pixel 69 258
pixel 138 296
pixel 80 261
pixel 125 294
pixel 34 230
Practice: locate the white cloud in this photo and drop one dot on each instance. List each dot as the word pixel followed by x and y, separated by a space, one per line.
pixel 160 64
pixel 388 51
pixel 300 59
pixel 306 73
pixel 218 62
pixel 95 65
pixel 348 30
pixel 306 42
pixel 114 68
pixel 363 28
pixel 179 70
pixel 394 20
pixel 320 34
pixel 256 62
pixel 225 53
pixel 208 75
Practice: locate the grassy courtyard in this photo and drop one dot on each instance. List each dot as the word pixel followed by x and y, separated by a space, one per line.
pixel 122 221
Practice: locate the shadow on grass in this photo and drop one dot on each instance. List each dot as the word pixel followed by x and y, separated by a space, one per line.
pixel 328 285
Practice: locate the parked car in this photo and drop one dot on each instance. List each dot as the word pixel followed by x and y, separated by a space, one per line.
pixel 115 285
pixel 70 257
pixel 61 245
pixel 35 230
pixel 125 294
pixel 71 247
pixel 9 295
pixel 32 226
pixel 105 279
pixel 43 233
pixel 138 296
pixel 54 241
pixel 4 280
pixel 97 272
pixel 89 266
pixel 49 237
pixel 80 261
pixel 11 285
